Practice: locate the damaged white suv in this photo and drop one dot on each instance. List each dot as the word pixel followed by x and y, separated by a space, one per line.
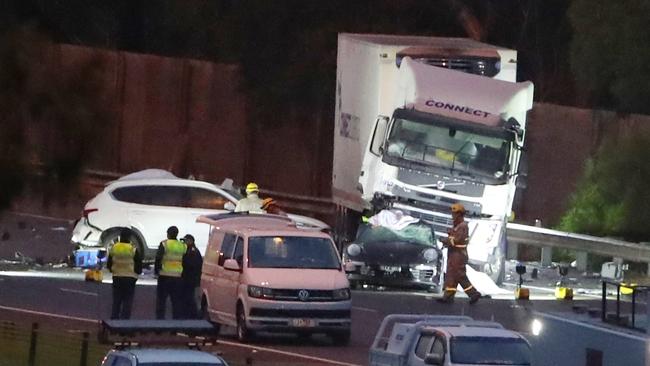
pixel 152 200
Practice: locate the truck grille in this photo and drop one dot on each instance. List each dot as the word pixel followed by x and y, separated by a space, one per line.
pixel 299 313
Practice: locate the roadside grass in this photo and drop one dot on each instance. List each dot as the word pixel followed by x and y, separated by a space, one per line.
pixel 53 347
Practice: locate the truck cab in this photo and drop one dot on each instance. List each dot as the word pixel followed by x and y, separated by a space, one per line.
pixel 424 132
pixel 417 340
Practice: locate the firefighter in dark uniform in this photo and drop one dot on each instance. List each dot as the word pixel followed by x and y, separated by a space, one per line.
pixel 125 262
pixel 169 268
pixel 456 244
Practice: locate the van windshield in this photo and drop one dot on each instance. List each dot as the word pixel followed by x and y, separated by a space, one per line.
pixel 490 351
pixel 292 252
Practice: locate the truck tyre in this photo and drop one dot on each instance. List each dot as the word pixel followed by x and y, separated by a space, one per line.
pixel 341 338
pixel 495 267
pixel 243 333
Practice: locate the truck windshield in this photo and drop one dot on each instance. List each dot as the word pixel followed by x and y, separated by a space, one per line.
pixel 292 252
pixel 462 151
pixel 489 351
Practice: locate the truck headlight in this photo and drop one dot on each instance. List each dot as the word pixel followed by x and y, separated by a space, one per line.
pixel 353 250
pixel 341 294
pixel 430 255
pixel 260 292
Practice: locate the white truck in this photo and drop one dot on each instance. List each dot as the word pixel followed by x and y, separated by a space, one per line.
pixel 418 340
pixel 423 122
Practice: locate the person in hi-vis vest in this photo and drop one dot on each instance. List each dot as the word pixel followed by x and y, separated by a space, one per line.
pixel 169 268
pixel 125 263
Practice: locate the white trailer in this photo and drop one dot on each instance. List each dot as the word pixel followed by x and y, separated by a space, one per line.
pixel 414 132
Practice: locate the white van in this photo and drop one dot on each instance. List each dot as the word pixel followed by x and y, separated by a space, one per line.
pixel 262 273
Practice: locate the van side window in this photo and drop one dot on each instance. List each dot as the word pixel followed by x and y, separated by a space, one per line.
pixel 227 247
pixel 423 346
pixel 239 252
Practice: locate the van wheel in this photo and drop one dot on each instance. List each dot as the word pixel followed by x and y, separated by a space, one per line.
pixel 205 315
pixel 243 333
pixel 341 338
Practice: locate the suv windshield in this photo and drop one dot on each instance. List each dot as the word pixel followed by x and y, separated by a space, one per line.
pixel 490 351
pixel 292 252
pixel 471 153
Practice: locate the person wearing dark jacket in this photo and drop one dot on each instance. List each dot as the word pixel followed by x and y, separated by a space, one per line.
pixel 168 268
pixel 192 264
pixel 125 262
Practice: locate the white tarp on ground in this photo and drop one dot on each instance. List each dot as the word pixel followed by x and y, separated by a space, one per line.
pixel 483 283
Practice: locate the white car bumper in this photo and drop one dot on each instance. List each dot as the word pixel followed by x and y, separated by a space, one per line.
pixel 85 235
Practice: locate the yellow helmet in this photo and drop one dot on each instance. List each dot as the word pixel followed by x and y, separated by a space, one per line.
pixel 252 187
pixel 457 207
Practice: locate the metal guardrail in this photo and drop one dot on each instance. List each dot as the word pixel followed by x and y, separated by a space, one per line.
pixel 324 208
pixel 541 237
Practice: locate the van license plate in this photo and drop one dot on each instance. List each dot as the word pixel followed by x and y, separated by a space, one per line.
pixel 302 323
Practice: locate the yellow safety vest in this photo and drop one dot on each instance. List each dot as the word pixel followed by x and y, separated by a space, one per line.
pixel 172 261
pixel 123 263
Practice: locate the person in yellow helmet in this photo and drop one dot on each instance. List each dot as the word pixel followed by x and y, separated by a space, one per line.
pixel 252 203
pixel 125 263
pixel 456 243
pixel 169 268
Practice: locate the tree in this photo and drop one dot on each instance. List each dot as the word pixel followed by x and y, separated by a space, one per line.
pixel 50 116
pixel 610 53
pixel 613 198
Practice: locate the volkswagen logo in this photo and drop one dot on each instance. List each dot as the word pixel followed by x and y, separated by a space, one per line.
pixel 303 295
pixel 440 184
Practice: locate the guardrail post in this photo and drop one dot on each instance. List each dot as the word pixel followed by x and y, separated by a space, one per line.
pixel 31 361
pixel 581 261
pixel 84 350
pixel 547 252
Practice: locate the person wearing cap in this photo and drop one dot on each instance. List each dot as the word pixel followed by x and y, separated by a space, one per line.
pixel 125 263
pixel 270 206
pixel 252 203
pixel 169 268
pixel 456 243
pixel 191 276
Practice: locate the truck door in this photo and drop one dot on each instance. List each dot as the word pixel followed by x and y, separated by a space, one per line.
pixel 372 156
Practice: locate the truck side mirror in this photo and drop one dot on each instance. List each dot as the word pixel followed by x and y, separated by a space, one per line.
pixel 433 359
pixel 376 146
pixel 521 181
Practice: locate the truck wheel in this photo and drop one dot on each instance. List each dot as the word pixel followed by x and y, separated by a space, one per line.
pixel 341 338
pixel 496 266
pixel 243 333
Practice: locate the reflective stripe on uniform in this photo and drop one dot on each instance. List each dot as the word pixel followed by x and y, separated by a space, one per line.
pixel 469 288
pixel 122 257
pixel 450 289
pixel 172 261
